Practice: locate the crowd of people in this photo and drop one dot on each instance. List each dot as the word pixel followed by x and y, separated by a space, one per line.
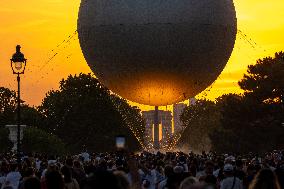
pixel 121 170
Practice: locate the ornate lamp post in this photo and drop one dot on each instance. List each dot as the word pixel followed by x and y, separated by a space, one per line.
pixel 18 65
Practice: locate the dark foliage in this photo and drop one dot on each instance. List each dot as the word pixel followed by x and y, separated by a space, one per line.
pixel 264 81
pixel 36 140
pixel 84 113
pixel 5 143
pixel 199 121
pixel 249 122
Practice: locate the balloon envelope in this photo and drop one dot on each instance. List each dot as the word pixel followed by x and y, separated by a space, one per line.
pixel 157 52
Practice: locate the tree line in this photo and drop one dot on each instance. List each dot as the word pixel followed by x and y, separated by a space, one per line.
pixel 248 122
pixel 82 113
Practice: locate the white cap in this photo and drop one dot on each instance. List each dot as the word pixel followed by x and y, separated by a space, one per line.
pixel 178 169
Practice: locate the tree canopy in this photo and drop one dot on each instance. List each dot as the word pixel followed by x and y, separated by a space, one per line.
pixel 8 104
pixel 82 113
pixel 85 113
pixel 198 122
pixel 264 81
pixel 243 122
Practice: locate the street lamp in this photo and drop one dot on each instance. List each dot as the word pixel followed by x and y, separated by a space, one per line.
pixel 18 65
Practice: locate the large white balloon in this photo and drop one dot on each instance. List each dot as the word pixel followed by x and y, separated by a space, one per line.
pixel 157 52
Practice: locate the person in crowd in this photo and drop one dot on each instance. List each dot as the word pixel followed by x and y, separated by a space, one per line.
pixel 69 182
pixel 279 171
pixel 13 177
pixel 4 170
pixel 29 172
pixel 168 172
pixel 174 181
pixel 209 168
pixel 102 180
pixel 230 181
pixel 54 180
pixel 147 175
pixel 32 183
pixel 265 179
pixel 144 170
pixel 85 155
pixel 250 173
pixel 51 160
pixel 210 180
pixel 188 183
pixel 42 169
pixel 192 169
pixel 79 172
pixel 239 172
pixel 122 179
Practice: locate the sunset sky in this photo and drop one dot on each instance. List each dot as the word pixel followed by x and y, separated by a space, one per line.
pixel 40 27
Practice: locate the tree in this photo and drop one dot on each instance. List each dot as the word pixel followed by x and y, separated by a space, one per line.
pixel 257 115
pixel 245 124
pixel 199 120
pixel 265 80
pixel 8 105
pixel 8 115
pixel 30 116
pixel 84 113
pixel 8 99
pixel 36 140
pixel 5 143
pixel 234 123
pixel 131 117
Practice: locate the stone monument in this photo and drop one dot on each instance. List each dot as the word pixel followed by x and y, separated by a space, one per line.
pixel 13 134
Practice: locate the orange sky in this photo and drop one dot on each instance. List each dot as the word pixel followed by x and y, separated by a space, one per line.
pixel 41 25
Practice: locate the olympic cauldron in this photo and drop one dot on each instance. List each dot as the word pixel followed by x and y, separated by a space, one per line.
pixel 157 52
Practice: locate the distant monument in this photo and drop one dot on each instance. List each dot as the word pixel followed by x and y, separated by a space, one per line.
pixel 152 135
pixel 13 134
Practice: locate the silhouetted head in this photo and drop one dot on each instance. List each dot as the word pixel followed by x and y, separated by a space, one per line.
pixel 169 171
pixel 209 168
pixel 187 183
pixel 122 179
pixel 29 172
pixel 66 172
pixel 54 180
pixel 32 183
pixel 265 179
pixel 102 180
